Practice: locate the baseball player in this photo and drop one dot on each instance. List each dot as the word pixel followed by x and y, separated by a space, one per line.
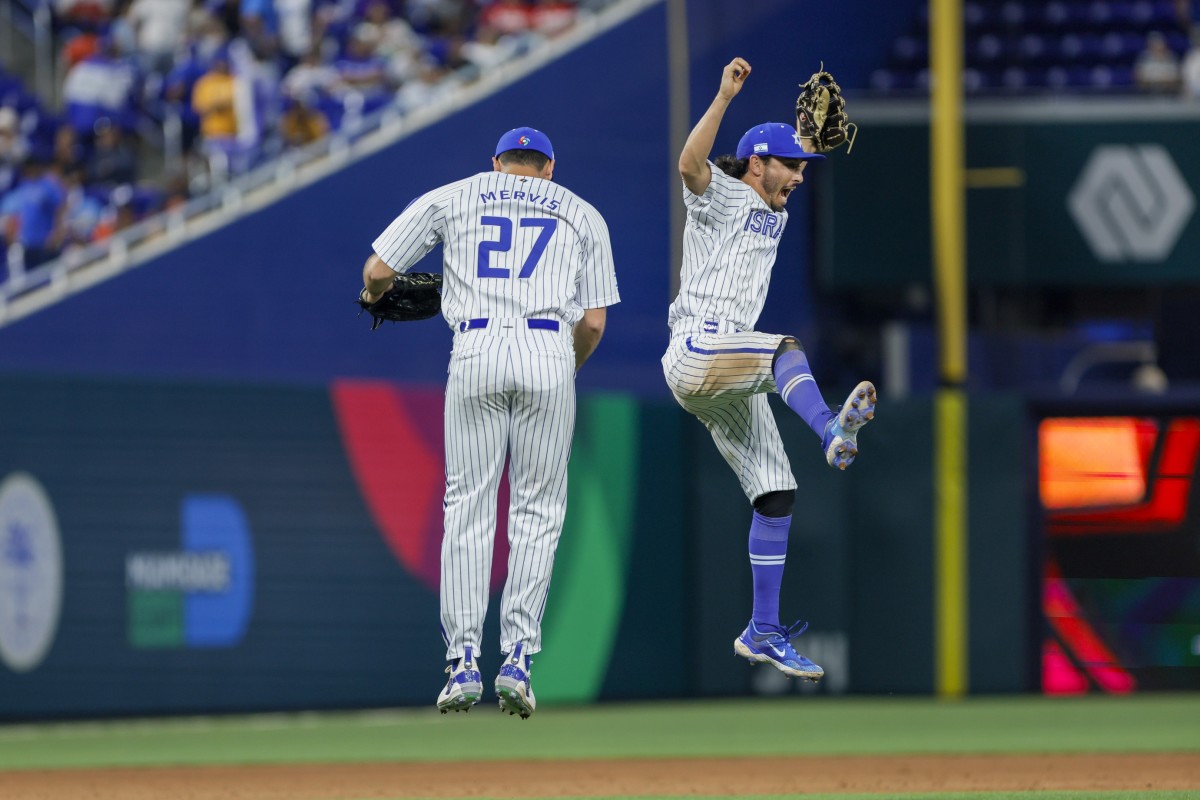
pixel 720 369
pixel 528 274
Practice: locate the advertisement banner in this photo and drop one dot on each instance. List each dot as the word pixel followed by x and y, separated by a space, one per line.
pixel 1050 202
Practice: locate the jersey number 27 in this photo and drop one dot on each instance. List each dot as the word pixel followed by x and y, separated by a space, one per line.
pixel 504 244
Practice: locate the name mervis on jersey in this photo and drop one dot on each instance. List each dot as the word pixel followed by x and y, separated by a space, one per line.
pixel 504 194
pixel 513 246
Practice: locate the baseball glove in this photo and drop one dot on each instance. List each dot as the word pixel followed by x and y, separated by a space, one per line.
pixel 413 296
pixel 821 113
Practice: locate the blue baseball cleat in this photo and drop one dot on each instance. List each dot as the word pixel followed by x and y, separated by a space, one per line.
pixel 840 441
pixel 513 686
pixel 465 687
pixel 772 644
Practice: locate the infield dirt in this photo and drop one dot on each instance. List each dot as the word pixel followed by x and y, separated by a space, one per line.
pixel 627 777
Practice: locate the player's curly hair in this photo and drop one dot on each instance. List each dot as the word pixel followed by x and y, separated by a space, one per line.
pixel 528 158
pixel 733 167
pixel 736 167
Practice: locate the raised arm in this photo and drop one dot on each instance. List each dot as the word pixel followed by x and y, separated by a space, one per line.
pixel 693 161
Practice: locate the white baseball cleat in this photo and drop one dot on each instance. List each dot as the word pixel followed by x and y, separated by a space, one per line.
pixel 464 687
pixel 513 686
pixel 840 441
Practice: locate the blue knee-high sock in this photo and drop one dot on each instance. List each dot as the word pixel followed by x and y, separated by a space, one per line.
pixel 768 550
pixel 798 388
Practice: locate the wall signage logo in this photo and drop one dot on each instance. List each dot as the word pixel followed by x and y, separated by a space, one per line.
pixel 202 594
pixel 1131 203
pixel 31 572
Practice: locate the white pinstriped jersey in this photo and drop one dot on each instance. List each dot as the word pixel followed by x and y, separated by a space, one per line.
pixel 729 247
pixel 513 246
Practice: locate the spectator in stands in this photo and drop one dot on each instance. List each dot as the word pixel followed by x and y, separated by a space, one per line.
pixel 83 12
pixel 431 84
pixel 79 46
pixel 311 78
pixel 32 213
pixel 177 193
pixel 226 12
pixel 1191 68
pixel 118 215
pixel 392 39
pixel 214 101
pixel 69 152
pixel 112 161
pixel 82 209
pixel 505 18
pixel 177 96
pixel 295 24
pixel 302 123
pixel 1157 68
pixel 160 27
pixel 552 17
pixel 13 149
pixel 121 31
pixel 102 85
pixel 260 27
pixel 485 55
pixel 363 72
pixel 450 53
pixel 438 17
pixel 206 35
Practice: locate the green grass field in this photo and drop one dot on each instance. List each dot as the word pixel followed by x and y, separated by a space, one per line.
pixel 696 729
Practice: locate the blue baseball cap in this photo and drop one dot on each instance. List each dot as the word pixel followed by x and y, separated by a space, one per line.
pixel 526 139
pixel 774 139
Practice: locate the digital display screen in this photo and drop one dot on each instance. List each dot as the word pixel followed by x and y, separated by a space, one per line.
pixel 1120 508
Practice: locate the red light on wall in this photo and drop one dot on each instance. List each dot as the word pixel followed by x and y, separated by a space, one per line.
pixel 1096 461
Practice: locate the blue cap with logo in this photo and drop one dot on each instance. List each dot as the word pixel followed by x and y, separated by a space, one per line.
pixel 526 139
pixel 774 139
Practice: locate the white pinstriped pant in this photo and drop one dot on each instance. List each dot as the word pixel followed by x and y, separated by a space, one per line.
pixel 722 376
pixel 511 391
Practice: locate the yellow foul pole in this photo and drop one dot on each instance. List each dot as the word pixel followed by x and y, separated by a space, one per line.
pixel 950 405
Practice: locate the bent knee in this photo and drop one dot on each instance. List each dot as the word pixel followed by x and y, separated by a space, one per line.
pixel 776 504
pixel 787 344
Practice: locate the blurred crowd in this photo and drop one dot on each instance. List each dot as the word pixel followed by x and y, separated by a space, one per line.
pixel 161 99
pixel 1163 70
pixel 1084 47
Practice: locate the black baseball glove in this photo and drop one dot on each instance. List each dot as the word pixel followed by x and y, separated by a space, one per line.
pixel 413 296
pixel 821 113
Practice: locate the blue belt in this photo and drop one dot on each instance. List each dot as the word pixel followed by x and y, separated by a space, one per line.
pixel 534 324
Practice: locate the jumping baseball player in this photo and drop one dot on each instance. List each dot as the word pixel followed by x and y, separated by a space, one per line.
pixel 720 369
pixel 528 274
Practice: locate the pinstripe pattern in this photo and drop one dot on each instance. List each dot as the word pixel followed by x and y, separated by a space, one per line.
pixel 729 246
pixel 511 391
pixel 717 366
pixel 515 249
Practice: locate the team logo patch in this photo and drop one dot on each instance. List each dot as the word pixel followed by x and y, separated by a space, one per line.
pixel 524 140
pixel 761 147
